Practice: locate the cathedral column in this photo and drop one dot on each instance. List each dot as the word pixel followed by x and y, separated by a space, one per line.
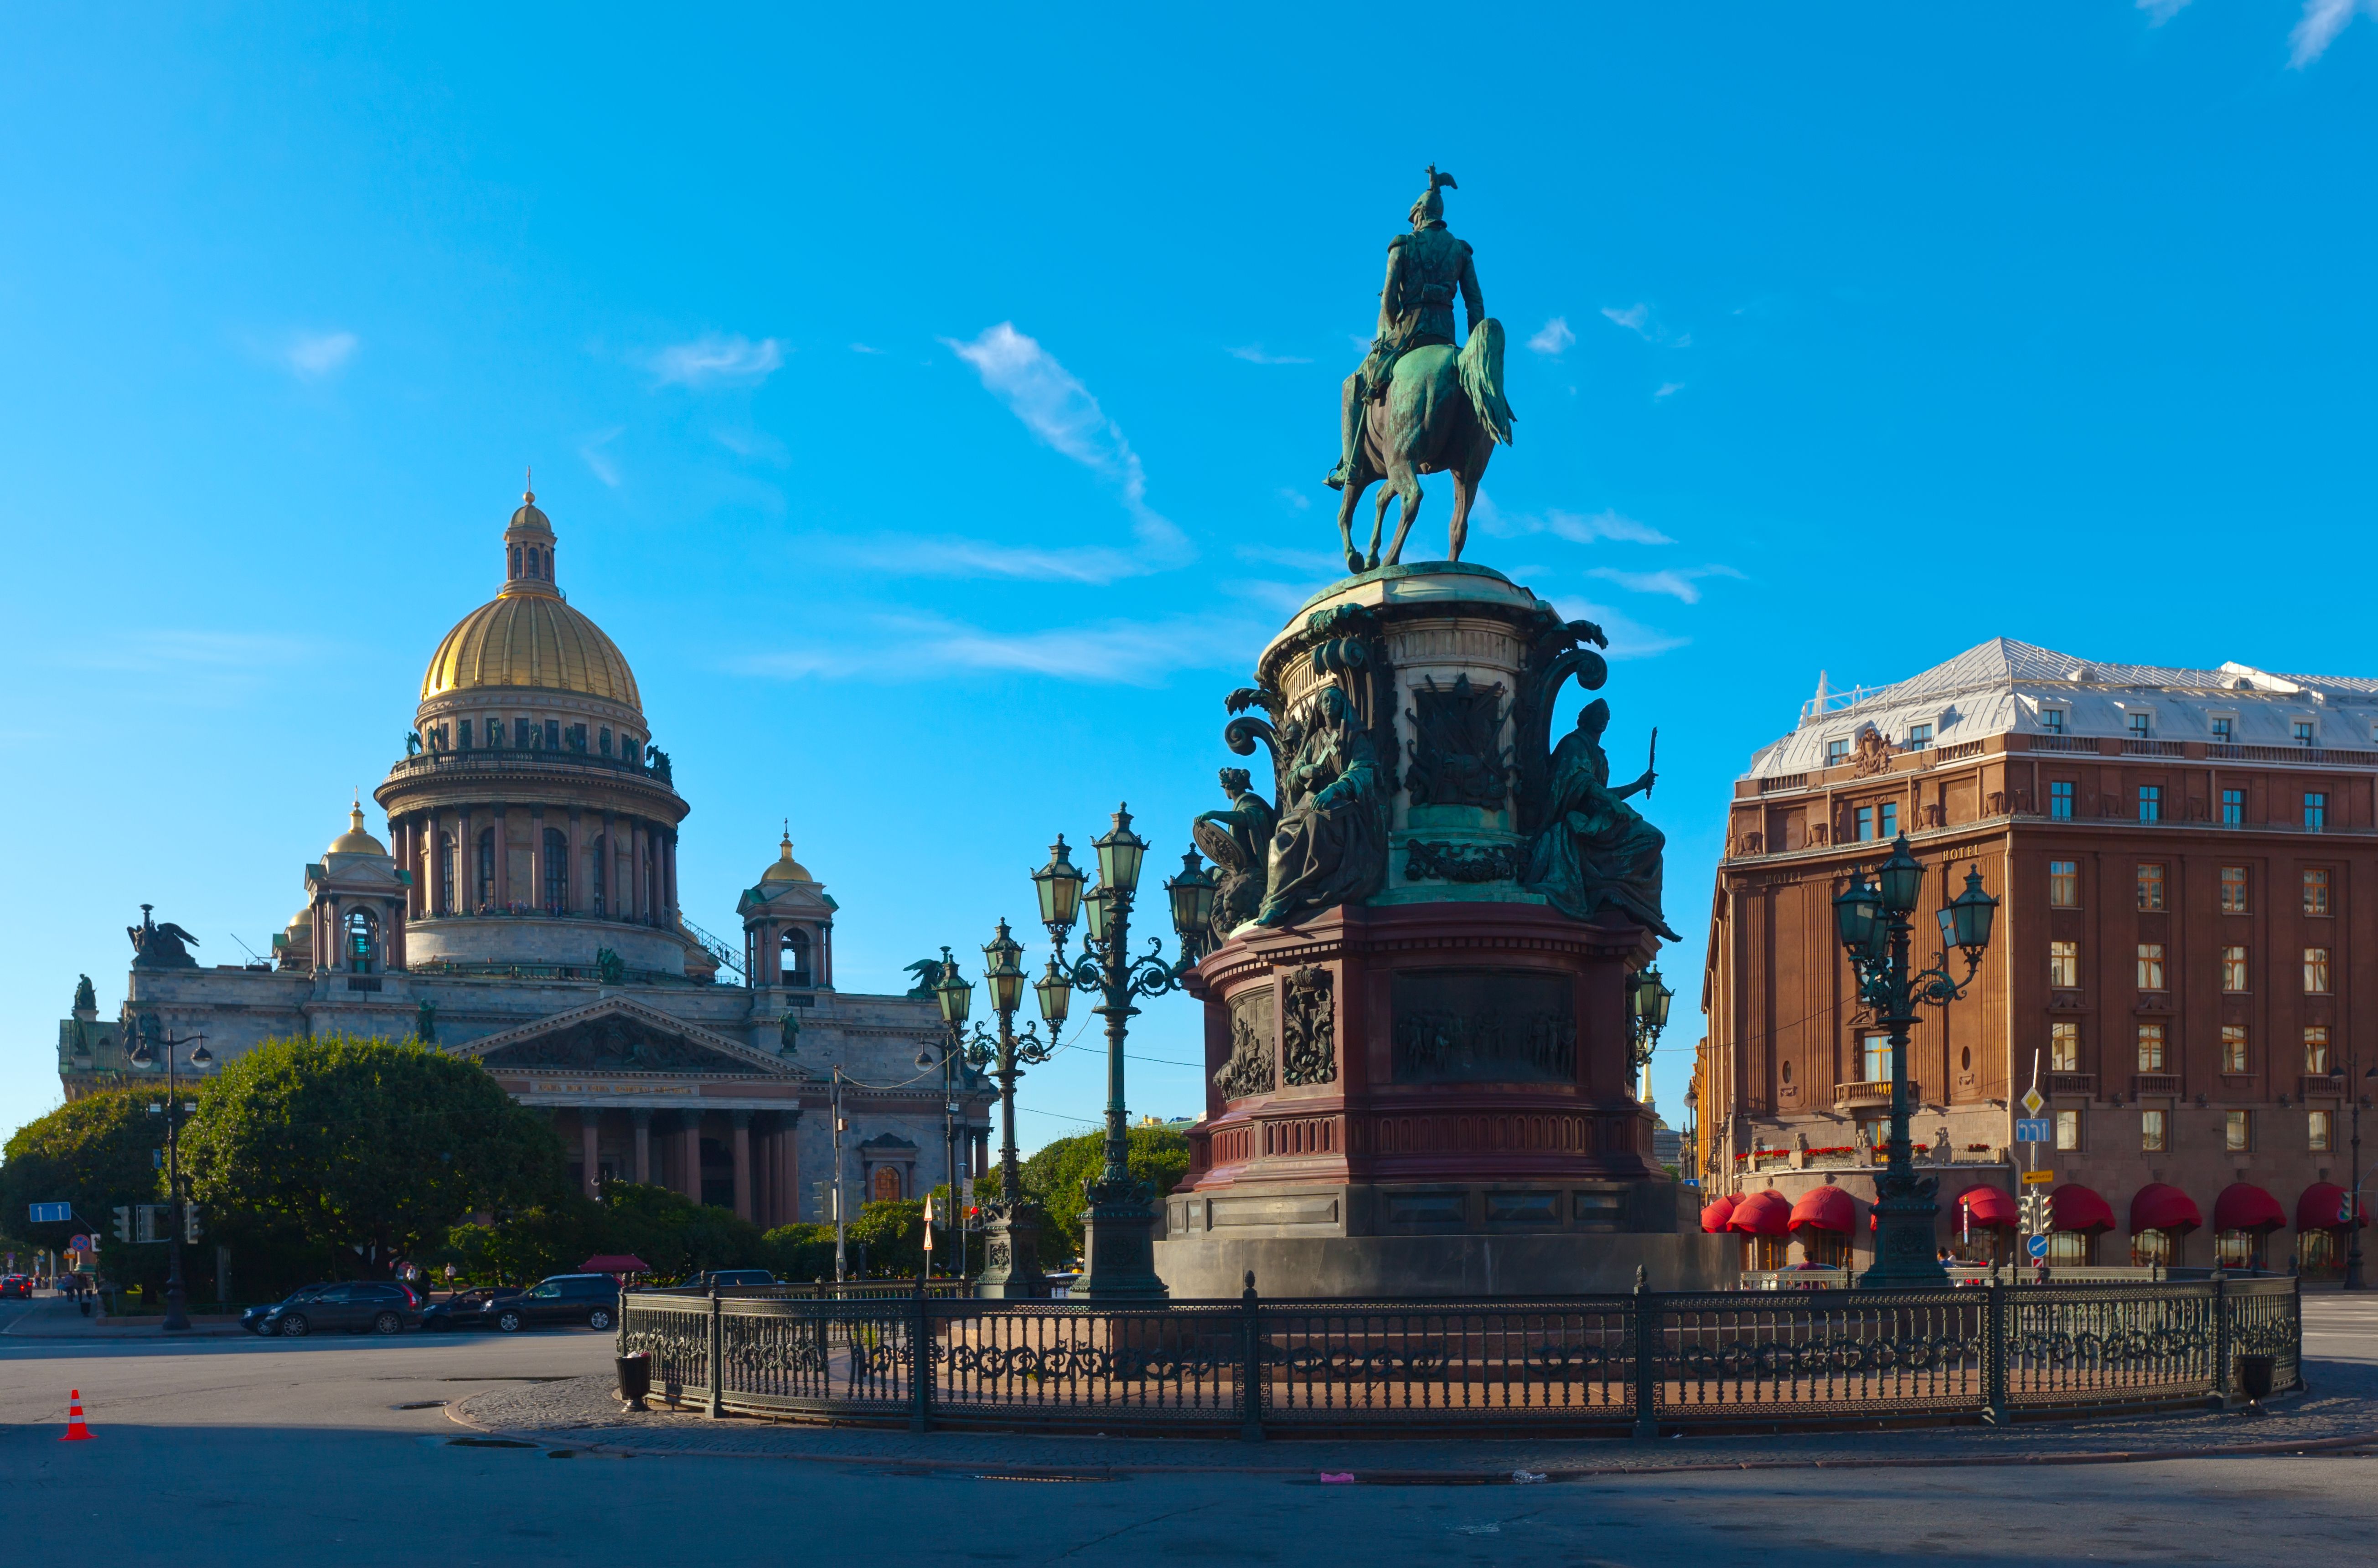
pixel 690 1143
pixel 825 955
pixel 632 905
pixel 742 1123
pixel 789 1167
pixel 535 899
pixel 466 863
pixel 670 889
pixel 590 1128
pixel 641 1120
pixel 578 877
pixel 503 859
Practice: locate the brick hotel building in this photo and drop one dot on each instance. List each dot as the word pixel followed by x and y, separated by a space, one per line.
pixel 2181 856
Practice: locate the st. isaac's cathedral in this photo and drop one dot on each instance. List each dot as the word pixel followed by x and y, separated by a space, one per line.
pixel 523 912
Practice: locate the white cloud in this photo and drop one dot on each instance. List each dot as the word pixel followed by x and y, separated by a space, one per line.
pixel 1106 653
pixel 312 355
pixel 1634 318
pixel 1254 354
pixel 863 348
pixel 711 359
pixel 753 444
pixel 2161 11
pixel 1322 562
pixel 1678 582
pixel 1603 525
pixel 1296 498
pixel 1629 639
pixel 1553 336
pixel 1058 409
pixel 909 555
pixel 2321 22
pixel 1668 389
pixel 598 462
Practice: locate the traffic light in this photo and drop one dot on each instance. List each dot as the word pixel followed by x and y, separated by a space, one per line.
pixel 190 1223
pixel 123 1222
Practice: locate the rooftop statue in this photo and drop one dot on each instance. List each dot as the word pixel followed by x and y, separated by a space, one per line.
pixel 160 947
pixel 1415 405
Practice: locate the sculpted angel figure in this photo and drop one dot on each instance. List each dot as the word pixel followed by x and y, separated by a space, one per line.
pixel 1595 851
pixel 1332 845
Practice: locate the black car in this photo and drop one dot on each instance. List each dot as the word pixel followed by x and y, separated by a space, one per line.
pixel 589 1298
pixel 462 1309
pixel 355 1305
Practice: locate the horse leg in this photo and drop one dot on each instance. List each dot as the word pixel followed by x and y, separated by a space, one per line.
pixel 1379 521
pixel 1407 487
pixel 1466 480
pixel 1350 494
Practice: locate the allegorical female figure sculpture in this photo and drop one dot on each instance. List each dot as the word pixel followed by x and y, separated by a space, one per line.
pixel 1595 851
pixel 1332 845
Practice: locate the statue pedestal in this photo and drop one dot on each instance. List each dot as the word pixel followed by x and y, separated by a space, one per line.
pixel 1012 1253
pixel 1119 1245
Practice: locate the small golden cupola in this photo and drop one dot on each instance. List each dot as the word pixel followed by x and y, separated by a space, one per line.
pixel 786 868
pixel 356 840
pixel 528 549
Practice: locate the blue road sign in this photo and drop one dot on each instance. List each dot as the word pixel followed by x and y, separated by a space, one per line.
pixel 2031 1129
pixel 2038 1246
pixel 52 1213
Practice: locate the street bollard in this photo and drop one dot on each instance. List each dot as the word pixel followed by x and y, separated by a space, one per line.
pixel 1250 1428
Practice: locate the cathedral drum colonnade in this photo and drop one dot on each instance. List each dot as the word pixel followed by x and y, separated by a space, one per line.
pixel 525 911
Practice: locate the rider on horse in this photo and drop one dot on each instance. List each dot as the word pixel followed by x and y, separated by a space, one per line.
pixel 1426 269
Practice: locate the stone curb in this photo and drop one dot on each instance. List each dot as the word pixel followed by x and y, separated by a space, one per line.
pixel 457 1413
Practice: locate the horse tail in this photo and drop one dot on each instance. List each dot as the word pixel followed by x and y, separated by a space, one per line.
pixel 1481 378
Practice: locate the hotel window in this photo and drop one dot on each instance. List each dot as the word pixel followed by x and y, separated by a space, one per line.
pixel 2151 966
pixel 2316 1048
pixel 2233 1048
pixel 2150 803
pixel 2233 807
pixel 2315 893
pixel 2316 971
pixel 2068 1130
pixel 1836 753
pixel 2324 1134
pixel 2150 1048
pixel 2064 884
pixel 1877 1059
pixel 2233 890
pixel 1919 736
pixel 2151 887
pixel 1865 823
pixel 2237 1131
pixel 2140 725
pixel 2315 813
pixel 1890 819
pixel 2303 732
pixel 2064 965
pixel 2065 1048
pixel 2233 969
pixel 2223 730
pixel 2071 1249
pixel 2154 1247
pixel 2154 1134
pixel 2059 800
pixel 2052 720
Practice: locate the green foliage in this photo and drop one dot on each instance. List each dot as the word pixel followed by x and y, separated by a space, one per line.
pixel 1056 1174
pixel 894 1234
pixel 800 1252
pixel 360 1142
pixel 665 1228
pixel 94 1153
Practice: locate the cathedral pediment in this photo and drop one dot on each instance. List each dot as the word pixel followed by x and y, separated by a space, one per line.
pixel 617 1035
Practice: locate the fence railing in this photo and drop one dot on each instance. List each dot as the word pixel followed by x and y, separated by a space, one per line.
pixel 1642 1362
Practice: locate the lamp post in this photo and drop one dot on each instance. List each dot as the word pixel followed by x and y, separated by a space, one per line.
pixel 144 1052
pixel 1119 1242
pixel 1647 1011
pixel 1012 1227
pixel 1872 918
pixel 2352 1215
pixel 955 994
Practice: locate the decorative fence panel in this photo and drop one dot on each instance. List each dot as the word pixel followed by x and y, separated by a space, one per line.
pixel 1645 1361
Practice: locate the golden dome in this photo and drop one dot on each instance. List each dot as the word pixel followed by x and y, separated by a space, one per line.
pixel 532 640
pixel 354 841
pixel 786 869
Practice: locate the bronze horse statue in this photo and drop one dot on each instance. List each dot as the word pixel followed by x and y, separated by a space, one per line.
pixel 1444 411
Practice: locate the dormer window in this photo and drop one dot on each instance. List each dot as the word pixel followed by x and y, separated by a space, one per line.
pixel 2140 725
pixel 2224 729
pixel 2052 720
pixel 1836 752
pixel 1919 736
pixel 2306 733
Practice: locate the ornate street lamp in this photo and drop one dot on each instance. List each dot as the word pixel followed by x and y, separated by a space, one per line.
pixel 1647 1009
pixel 955 994
pixel 1119 1255
pixel 147 1046
pixel 1872 920
pixel 1012 1225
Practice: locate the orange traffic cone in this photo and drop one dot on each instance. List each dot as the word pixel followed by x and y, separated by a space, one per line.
pixel 76 1431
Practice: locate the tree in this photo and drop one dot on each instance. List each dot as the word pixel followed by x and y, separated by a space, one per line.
pixel 95 1153
pixel 372 1148
pixel 1159 1156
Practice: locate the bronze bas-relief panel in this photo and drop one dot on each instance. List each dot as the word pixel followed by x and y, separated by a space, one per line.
pixel 1484 1026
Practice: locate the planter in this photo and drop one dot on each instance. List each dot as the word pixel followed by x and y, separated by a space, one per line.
pixel 635 1380
pixel 2255 1373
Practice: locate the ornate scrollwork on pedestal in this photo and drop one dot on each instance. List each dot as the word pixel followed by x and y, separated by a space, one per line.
pixel 1431 861
pixel 1458 756
pixel 1308 1027
pixel 1557 651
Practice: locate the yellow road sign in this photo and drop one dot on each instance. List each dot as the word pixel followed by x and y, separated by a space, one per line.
pixel 2037 1178
pixel 2031 1102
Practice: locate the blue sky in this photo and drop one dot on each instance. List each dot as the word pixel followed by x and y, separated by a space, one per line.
pixel 933 403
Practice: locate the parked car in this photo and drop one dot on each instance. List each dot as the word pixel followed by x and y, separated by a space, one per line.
pixel 16 1285
pixel 462 1311
pixel 253 1319
pixel 589 1298
pixel 728 1276
pixel 356 1305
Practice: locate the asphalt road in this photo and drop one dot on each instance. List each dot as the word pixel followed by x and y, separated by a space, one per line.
pixel 295 1453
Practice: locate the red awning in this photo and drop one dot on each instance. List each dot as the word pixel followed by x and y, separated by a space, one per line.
pixel 1715 1215
pixel 1987 1206
pixel 2161 1206
pixel 1825 1208
pixel 2322 1207
pixel 615 1263
pixel 2076 1207
pixel 2245 1206
pixel 1762 1213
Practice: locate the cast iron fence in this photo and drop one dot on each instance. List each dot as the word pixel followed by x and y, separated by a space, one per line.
pixel 1642 1363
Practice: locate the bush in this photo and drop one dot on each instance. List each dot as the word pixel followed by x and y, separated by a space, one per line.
pixel 1056 1174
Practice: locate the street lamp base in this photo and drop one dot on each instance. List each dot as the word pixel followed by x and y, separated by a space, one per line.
pixel 1904 1253
pixel 1012 1253
pixel 1119 1245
